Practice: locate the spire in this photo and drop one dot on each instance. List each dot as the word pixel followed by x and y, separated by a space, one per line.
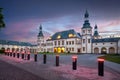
pixel 86 22
pixel 86 15
pixel 96 31
pixel 40 32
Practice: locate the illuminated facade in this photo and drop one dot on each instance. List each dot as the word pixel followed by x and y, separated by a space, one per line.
pixel 70 41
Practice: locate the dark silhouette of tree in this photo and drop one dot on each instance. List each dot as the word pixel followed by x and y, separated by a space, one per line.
pixel 2 24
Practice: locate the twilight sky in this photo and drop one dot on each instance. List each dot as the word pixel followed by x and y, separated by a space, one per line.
pixel 23 17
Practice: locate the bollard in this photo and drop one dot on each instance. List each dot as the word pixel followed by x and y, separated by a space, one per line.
pixel 74 63
pixel 13 54
pixel 44 58
pixel 35 57
pixel 10 53
pixel 57 60
pixel 28 57
pixel 18 55
pixel 101 67
pixel 22 55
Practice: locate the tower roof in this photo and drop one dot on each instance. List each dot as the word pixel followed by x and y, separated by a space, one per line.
pixel 86 15
pixel 96 31
pixel 95 27
pixel 40 32
pixel 86 22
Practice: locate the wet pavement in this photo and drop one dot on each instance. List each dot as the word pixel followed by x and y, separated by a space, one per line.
pixel 86 68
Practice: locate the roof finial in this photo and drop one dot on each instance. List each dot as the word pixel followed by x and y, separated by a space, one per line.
pixel 86 14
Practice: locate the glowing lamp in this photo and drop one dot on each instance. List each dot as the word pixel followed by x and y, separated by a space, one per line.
pixel 101 60
pixel 74 58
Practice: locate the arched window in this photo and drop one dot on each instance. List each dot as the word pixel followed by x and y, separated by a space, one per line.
pixel 111 50
pixel 96 50
pixel 104 50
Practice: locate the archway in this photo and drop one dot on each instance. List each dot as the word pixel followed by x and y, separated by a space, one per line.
pixel 2 50
pixel 111 50
pixel 103 50
pixel 8 49
pixel 96 50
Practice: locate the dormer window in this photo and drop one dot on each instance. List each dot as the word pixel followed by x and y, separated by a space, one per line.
pixel 70 35
pixel 58 37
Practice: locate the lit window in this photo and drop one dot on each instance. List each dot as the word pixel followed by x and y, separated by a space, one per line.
pixel 70 35
pixel 58 37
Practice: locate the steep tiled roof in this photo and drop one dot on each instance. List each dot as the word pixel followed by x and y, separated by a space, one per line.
pixel 65 34
pixel 105 40
pixel 8 42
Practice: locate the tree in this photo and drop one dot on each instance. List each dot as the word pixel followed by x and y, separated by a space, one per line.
pixel 2 24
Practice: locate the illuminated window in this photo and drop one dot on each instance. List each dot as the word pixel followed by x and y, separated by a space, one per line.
pixel 58 37
pixel 70 35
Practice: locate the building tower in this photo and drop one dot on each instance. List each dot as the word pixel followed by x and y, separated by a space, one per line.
pixel 86 34
pixel 96 34
pixel 40 40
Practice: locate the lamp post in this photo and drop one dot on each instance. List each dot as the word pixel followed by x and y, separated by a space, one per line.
pixel 100 67
pixel 74 62
pixel 44 58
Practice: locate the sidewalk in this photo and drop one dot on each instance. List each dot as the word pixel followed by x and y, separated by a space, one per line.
pixel 64 72
pixel 114 66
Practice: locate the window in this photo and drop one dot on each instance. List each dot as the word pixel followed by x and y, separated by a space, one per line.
pixel 83 48
pixel 58 37
pixel 58 42
pixel 55 42
pixel 72 42
pixel 72 49
pixel 83 31
pixel 88 40
pixel 66 49
pixel 69 49
pixel 62 42
pixel 70 35
pixel 83 40
pixel 67 42
pixel 89 31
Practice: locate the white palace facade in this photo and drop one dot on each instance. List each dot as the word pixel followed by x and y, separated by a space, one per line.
pixel 69 41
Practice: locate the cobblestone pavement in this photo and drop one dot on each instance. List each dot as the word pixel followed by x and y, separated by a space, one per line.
pixel 87 68
pixel 11 72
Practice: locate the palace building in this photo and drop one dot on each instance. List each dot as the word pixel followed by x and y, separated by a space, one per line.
pixel 70 41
